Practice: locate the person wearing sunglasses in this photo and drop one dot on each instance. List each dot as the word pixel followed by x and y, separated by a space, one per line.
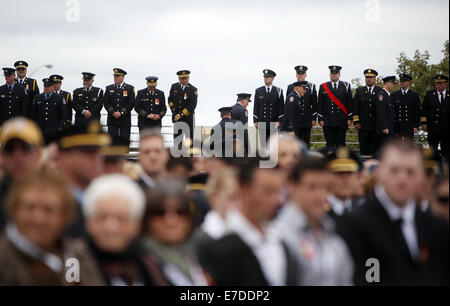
pixel 21 150
pixel 30 85
pixel 167 229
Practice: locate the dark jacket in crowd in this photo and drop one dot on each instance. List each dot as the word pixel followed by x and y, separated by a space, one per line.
pixel 371 233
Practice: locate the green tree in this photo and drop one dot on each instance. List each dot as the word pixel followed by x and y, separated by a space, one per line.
pixel 422 72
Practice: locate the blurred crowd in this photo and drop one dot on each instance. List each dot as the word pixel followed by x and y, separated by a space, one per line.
pixel 314 219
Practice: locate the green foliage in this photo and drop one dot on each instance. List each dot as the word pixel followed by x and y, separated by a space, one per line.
pixel 422 72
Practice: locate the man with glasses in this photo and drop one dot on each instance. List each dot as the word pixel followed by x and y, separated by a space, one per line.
pixel 21 149
pixel 29 84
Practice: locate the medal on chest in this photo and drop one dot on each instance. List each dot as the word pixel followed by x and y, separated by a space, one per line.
pixel 157 101
pixel 185 96
pixel 307 248
pixel 125 93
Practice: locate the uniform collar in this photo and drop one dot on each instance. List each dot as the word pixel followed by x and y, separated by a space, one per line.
pixel 389 94
pixel 444 92
pixel 405 91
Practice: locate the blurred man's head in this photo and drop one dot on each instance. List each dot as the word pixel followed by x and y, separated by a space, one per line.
pixel 113 206
pixel 300 72
pixel 79 156
pixel 401 170
pixel 22 143
pixel 153 156
pixel 343 167
pixel 260 190
pixel 287 152
pixel 114 155
pixel 310 180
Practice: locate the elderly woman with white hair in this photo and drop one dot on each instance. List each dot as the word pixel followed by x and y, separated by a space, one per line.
pixel 113 207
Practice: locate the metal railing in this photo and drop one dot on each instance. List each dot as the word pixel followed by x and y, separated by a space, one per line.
pixel 167 133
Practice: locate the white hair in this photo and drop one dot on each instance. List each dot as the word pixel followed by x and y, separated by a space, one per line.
pixel 114 185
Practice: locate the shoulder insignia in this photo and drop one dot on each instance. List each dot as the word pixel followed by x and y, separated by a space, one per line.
pixel 196 92
pixel 291 99
pixel 380 97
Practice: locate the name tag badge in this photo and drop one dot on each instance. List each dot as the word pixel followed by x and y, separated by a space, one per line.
pixel 185 95
pixel 157 101
pixel 125 93
pixel 27 86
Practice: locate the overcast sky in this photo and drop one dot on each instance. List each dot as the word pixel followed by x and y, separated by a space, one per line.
pixel 225 44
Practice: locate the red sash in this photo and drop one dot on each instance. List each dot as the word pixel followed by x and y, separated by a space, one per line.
pixel 334 99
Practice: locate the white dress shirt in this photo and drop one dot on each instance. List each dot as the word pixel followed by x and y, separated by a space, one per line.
pixel 266 246
pixel 339 206
pixel 407 213
pixel 214 225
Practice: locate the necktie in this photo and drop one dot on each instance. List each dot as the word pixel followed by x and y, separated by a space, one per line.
pixel 442 97
pixel 404 92
pixel 334 86
pixel 268 89
pixel 370 91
